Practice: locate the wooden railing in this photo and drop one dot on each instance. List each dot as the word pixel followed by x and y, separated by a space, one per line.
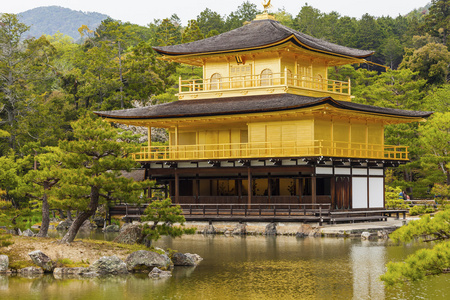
pixel 270 150
pixel 257 81
pixel 256 209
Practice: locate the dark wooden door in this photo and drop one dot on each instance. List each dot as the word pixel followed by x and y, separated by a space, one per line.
pixel 342 193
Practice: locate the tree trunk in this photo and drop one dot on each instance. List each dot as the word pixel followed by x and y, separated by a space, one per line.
pixel 92 207
pixel 45 217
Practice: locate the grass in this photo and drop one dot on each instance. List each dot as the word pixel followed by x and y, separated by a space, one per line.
pixel 101 244
pixel 68 263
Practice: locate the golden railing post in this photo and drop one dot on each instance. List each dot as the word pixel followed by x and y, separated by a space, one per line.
pixel 349 87
pixel 179 84
pixel 285 76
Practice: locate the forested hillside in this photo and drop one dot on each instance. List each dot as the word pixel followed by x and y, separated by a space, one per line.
pixel 48 82
pixel 51 19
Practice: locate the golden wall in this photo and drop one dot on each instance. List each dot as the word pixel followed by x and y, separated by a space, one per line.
pixel 309 136
pixel 258 63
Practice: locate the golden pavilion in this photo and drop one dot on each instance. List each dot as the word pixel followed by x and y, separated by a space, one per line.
pixel 266 125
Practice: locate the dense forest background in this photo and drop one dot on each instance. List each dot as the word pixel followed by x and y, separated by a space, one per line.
pixel 49 81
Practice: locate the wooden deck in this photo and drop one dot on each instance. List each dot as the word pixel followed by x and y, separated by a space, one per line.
pixel 263 212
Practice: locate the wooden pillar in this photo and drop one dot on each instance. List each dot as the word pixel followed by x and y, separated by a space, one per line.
pixel 250 190
pixel 298 190
pixel 333 192
pixel 314 188
pixel 176 142
pixel 269 187
pixel 368 188
pixel 197 188
pixel 177 187
pixel 239 188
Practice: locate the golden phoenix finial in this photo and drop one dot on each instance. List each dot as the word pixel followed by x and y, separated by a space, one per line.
pixel 267 5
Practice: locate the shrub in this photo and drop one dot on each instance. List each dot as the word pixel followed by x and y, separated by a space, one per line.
pixel 441 190
pixel 419 210
pixel 392 198
pixel 163 215
pixel 5 239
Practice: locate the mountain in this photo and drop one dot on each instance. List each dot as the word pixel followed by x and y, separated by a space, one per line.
pixel 51 19
pixel 419 12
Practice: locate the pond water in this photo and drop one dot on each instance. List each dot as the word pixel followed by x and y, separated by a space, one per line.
pixel 252 267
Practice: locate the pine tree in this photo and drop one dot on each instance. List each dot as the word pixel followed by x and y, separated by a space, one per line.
pixel 438 19
pixel 424 262
pixel 91 168
pixel 192 33
pixel 41 181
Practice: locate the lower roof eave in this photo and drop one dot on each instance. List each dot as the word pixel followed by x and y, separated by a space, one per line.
pixel 321 161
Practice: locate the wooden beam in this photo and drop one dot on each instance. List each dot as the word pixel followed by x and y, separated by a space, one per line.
pixel 231 170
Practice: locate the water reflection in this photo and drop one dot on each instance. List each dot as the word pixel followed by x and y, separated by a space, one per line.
pixel 252 267
pixel 368 262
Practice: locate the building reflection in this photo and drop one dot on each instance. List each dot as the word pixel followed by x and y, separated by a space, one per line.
pixel 368 261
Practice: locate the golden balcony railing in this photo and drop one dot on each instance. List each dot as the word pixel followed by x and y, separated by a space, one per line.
pixel 257 81
pixel 271 150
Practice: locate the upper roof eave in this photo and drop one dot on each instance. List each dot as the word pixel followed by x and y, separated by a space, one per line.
pixel 291 38
pixel 259 34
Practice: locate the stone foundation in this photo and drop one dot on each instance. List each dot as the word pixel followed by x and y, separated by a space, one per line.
pixel 289 228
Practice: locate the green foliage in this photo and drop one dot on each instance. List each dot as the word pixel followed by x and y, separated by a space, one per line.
pixel 437 21
pixel 68 263
pixel 167 32
pixel 438 100
pixel 5 239
pixel 90 169
pixel 420 210
pixel 95 161
pixel 163 215
pixel 17 218
pixel 435 139
pixel 209 21
pixel 426 261
pixel 246 12
pixel 392 198
pixel 441 190
pixel 192 33
pixel 436 228
pixel 430 61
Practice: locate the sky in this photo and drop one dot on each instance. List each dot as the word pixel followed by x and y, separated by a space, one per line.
pixel 143 12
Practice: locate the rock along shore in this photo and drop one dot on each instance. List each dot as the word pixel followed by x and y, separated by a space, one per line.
pixel 156 264
pixel 296 228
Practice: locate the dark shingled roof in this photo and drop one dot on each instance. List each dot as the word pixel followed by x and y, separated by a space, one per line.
pixel 257 34
pixel 246 105
pixel 136 175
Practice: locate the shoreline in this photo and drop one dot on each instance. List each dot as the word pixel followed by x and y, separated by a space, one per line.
pixel 296 228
